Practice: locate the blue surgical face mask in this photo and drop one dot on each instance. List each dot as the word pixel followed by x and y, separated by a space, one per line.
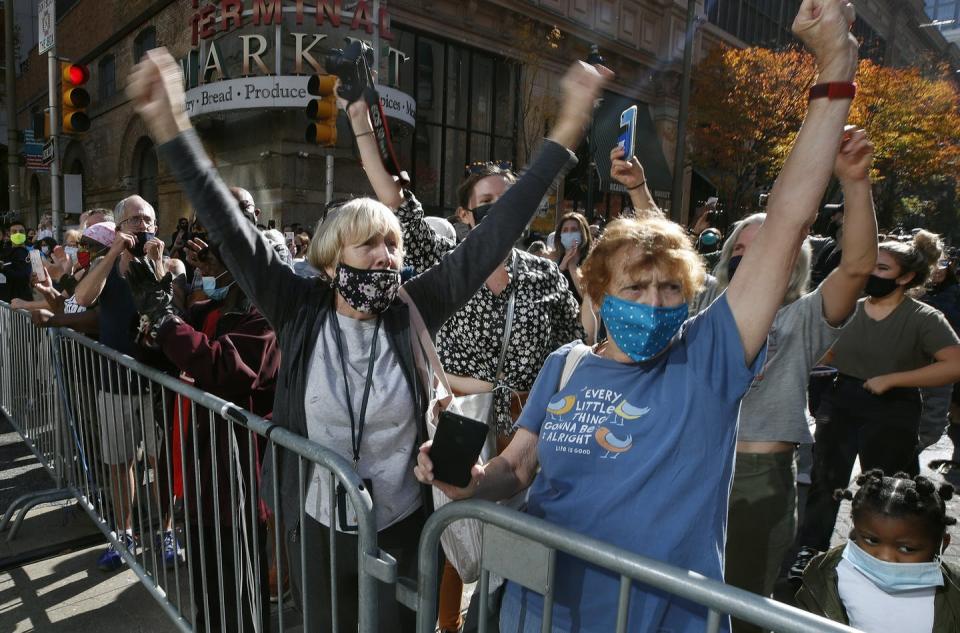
pixel 639 330
pixel 211 290
pixel 894 577
pixel 569 240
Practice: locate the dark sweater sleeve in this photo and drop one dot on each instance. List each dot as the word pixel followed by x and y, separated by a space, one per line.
pixel 228 366
pixel 272 285
pixel 445 288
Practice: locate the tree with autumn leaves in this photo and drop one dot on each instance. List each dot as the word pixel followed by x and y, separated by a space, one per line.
pixel 748 105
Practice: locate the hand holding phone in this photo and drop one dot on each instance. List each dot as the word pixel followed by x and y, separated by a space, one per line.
pixel 628 132
pixel 456 448
pixel 37 264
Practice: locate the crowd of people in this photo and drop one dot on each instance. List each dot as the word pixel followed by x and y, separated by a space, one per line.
pixel 651 383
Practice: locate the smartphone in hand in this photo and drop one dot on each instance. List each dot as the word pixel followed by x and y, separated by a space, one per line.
pixel 628 132
pixel 456 447
pixel 37 264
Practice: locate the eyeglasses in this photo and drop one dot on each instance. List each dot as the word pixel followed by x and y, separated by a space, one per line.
pixel 144 220
pixel 480 166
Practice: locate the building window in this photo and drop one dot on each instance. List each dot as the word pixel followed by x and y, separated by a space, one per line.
pixel 944 11
pixel 107 77
pixel 872 46
pixel 756 22
pixel 145 166
pixel 63 6
pixel 145 41
pixel 466 112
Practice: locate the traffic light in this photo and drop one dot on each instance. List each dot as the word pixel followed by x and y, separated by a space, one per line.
pixel 322 112
pixel 74 98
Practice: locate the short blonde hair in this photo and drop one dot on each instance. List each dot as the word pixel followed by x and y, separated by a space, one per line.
pixel 353 222
pixel 72 233
pixel 662 244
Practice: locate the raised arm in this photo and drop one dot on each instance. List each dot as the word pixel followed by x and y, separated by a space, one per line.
pixel 445 288
pixel 755 296
pixel 388 190
pixel 844 285
pixel 422 246
pixel 90 287
pixel 156 89
pixel 630 174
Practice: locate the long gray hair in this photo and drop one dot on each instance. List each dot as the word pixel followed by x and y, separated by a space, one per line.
pixel 801 270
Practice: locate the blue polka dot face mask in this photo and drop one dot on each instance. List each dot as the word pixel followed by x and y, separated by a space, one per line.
pixel 639 330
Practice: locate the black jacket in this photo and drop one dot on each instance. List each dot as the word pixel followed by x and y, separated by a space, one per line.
pixel 17 269
pixel 297 307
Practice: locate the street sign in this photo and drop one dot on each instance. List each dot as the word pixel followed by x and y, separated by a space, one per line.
pixel 48 25
pixel 48 152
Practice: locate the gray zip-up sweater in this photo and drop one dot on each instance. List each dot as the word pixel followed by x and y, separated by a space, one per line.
pixel 297 307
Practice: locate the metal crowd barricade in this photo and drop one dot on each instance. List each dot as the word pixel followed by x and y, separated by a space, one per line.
pixel 201 467
pixel 27 389
pixel 523 549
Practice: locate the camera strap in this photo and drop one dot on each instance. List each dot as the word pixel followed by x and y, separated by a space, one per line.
pixel 356 426
pixel 381 133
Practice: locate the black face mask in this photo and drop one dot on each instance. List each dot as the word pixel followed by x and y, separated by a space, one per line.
pixel 480 212
pixel 879 286
pixel 137 250
pixel 732 266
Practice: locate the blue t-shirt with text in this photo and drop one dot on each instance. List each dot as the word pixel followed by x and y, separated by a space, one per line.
pixel 639 455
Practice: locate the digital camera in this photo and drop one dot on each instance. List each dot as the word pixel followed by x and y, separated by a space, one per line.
pixel 352 67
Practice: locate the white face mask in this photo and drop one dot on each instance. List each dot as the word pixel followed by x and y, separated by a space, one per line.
pixel 569 240
pixel 895 577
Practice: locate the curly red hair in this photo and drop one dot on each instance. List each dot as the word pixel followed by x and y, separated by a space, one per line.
pixel 661 244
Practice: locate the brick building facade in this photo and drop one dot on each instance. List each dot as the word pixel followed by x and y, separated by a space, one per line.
pixel 483 74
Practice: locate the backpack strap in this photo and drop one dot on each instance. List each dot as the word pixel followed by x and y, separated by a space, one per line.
pixel 574 357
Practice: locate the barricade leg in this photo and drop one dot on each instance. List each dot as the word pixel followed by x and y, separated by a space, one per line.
pixel 29 502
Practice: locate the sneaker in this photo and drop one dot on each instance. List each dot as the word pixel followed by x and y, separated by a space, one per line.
pixel 173 553
pixel 275 585
pixel 803 558
pixel 111 560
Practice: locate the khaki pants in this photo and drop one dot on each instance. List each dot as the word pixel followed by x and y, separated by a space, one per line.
pixel 761 523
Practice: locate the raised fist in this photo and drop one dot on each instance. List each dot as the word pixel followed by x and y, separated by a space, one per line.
pixel 824 27
pixel 156 90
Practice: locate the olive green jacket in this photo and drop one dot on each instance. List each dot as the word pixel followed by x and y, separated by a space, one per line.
pixel 819 593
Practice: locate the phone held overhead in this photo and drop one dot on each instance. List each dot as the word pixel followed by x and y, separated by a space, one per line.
pixel 628 132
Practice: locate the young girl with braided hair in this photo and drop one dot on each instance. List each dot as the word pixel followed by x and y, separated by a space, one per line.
pixel 889 577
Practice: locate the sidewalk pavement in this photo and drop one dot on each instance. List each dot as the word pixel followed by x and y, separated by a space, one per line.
pixel 49 579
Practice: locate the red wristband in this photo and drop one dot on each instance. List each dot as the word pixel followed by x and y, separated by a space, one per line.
pixel 834 90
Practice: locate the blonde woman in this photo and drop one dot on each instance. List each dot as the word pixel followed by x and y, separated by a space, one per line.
pixel 347 378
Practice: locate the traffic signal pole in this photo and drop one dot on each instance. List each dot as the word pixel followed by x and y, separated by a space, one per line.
pixel 13 166
pixel 56 207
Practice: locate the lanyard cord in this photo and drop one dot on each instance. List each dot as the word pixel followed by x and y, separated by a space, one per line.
pixel 356 427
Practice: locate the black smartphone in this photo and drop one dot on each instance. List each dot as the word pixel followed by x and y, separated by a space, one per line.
pixel 456 447
pixel 137 250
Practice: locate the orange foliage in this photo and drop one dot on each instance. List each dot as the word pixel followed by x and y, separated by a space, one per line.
pixel 748 105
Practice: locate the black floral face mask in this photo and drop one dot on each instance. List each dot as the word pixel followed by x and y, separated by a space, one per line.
pixel 370 290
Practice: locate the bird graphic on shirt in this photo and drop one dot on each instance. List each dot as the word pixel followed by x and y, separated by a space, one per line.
pixel 626 411
pixel 561 406
pixel 612 444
